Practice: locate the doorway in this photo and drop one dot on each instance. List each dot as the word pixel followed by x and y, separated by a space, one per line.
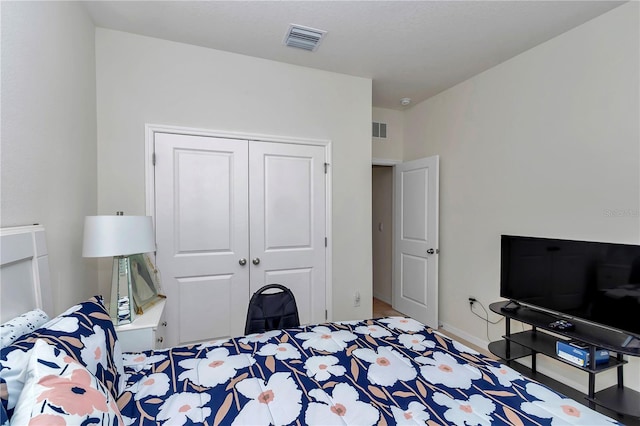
pixel 382 235
pixel 405 237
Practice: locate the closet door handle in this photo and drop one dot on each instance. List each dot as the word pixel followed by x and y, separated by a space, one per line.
pixel 256 261
pixel 242 261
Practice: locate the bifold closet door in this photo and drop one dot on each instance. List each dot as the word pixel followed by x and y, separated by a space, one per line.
pixel 232 216
pixel 201 186
pixel 287 217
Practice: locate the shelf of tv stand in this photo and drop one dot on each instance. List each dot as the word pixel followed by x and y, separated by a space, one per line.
pixel 545 344
pixel 588 333
pixel 539 341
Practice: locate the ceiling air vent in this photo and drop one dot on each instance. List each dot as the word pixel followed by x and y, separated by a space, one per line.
pixel 379 130
pixel 303 37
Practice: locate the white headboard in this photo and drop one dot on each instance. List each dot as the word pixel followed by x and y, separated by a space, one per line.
pixel 24 271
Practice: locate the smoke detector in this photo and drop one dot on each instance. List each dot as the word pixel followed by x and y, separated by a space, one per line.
pixel 405 101
pixel 303 37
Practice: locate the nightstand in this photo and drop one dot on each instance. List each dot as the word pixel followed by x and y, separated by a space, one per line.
pixel 146 332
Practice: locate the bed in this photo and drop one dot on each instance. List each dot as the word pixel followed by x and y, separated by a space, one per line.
pixel 381 371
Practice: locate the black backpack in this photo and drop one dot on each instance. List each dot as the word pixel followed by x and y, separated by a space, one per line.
pixel 271 311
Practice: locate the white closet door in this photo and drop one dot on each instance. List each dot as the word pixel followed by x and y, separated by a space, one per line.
pixel 201 232
pixel 287 214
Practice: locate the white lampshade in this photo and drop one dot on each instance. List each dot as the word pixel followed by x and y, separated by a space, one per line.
pixel 106 236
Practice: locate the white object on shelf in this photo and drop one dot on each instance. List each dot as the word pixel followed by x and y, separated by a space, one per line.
pixel 146 332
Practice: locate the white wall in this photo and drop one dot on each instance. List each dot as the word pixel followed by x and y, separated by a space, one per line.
pixel 543 145
pixel 144 80
pixel 391 147
pixel 48 151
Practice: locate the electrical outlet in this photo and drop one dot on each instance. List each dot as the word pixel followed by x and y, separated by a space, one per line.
pixel 356 299
pixel 472 300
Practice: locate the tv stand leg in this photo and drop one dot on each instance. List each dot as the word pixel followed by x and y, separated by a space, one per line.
pixel 533 355
pixel 620 358
pixel 592 390
pixel 592 378
pixel 507 326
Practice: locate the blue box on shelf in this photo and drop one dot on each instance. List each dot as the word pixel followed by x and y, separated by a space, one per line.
pixel 578 353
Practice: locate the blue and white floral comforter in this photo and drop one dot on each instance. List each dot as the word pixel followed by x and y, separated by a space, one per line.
pixel 386 371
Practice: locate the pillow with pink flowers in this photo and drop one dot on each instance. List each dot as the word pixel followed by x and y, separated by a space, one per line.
pixel 60 391
pixel 84 332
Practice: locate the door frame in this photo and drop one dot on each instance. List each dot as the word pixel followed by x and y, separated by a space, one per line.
pixel 393 163
pixel 150 201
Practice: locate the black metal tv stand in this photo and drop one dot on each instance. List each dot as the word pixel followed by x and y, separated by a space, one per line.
pixel 538 340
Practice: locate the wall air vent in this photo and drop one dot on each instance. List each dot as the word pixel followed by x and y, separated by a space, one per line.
pixel 303 37
pixel 379 130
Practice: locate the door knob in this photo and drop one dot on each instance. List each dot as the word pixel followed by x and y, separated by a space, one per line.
pixel 256 261
pixel 242 261
pixel 431 251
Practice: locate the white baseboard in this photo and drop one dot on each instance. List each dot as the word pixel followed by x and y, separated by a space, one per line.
pixel 466 336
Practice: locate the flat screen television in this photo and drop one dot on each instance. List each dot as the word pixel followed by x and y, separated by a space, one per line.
pixel 590 281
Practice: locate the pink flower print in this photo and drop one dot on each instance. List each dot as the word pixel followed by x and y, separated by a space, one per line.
pixel 179 407
pixel 281 351
pixel 505 375
pixel 218 367
pixel 156 384
pixel 97 353
pixel 417 342
pixel 141 361
pixel 559 409
pixel 74 395
pixel 387 365
pixel 322 368
pixel 373 331
pixel 323 338
pixel 404 324
pixel 414 414
pixel 442 368
pixel 343 407
pixel 276 402
pixel 47 420
pixel 476 410
pixel 94 352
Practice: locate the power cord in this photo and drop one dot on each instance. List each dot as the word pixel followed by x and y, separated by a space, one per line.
pixel 472 301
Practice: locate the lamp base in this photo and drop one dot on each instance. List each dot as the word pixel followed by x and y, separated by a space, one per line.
pixel 122 307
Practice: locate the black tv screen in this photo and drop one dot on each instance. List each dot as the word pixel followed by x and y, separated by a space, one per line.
pixel 593 281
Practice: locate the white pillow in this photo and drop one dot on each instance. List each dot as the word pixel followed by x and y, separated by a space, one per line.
pixel 19 326
pixel 59 390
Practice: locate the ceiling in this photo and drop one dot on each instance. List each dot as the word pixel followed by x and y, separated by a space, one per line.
pixel 412 49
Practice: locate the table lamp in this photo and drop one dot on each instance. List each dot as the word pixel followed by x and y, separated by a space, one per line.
pixel 119 236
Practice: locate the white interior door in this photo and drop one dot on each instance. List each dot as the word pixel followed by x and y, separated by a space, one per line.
pixel 201 233
pixel 287 214
pixel 232 216
pixel 415 255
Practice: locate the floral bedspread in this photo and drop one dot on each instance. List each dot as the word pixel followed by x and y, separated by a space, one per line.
pixel 385 371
